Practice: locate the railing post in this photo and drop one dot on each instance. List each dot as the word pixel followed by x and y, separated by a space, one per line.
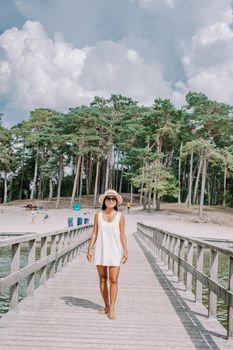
pixel 167 246
pixel 71 235
pixel 198 291
pixel 76 237
pixel 230 306
pixel 190 261
pixel 214 276
pixel 43 253
pixel 59 247
pixel 157 245
pixel 72 254
pixel 170 260
pixel 176 252
pixel 181 255
pixel 66 243
pixel 163 254
pixel 53 251
pixel 31 260
pixel 161 237
pixel 14 290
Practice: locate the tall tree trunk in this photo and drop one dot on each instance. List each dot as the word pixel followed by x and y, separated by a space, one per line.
pixel 224 186
pixel 81 178
pixel 35 174
pixel 50 190
pixel 59 182
pixel 117 171
pixel 144 200
pixel 76 179
pixel 121 178
pixel 131 193
pixel 197 178
pixel 141 197
pixel 179 174
pixel 200 214
pixel 102 183
pixel 107 172
pixel 213 190
pixel 190 179
pixel 154 200
pixel 141 192
pixel 96 182
pixel 183 178
pixel 5 188
pixel 10 188
pixel 149 202
pixel 22 176
pixel 157 203
pixel 40 187
pixel 208 189
pixel 90 172
pixel 113 167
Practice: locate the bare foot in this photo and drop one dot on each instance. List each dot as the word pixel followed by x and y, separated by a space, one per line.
pixel 104 311
pixel 111 314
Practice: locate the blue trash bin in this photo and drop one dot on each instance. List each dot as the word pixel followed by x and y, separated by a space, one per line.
pixel 79 220
pixel 77 206
pixel 70 222
pixel 86 221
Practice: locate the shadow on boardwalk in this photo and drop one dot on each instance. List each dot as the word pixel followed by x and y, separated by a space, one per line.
pixel 86 304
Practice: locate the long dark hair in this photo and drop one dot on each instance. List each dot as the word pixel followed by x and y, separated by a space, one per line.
pixel 104 205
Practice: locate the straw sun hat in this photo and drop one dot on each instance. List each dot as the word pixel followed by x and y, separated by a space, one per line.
pixel 111 193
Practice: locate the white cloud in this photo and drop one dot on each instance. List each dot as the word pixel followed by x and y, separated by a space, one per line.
pixel 39 72
pixel 208 62
pixel 70 52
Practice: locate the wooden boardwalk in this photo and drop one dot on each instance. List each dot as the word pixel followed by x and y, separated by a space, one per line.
pixel 150 314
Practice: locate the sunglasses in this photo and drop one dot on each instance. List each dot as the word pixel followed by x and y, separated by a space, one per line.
pixel 110 198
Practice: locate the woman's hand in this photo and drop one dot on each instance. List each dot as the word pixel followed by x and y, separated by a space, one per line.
pixel 124 257
pixel 89 256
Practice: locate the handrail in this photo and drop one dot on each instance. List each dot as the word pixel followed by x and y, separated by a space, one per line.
pixel 64 246
pixel 25 238
pixel 176 252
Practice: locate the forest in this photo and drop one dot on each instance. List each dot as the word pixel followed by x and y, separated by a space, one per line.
pixel 160 152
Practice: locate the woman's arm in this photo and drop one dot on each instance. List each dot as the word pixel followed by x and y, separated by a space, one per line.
pixel 93 238
pixel 123 239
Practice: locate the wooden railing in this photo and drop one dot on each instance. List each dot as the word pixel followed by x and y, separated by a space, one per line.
pixel 176 252
pixel 63 246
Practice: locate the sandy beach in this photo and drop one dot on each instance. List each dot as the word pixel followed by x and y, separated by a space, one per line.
pixel 217 225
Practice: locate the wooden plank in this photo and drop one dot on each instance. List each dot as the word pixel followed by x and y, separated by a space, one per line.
pixel 214 276
pixel 24 272
pixel 43 253
pixel 198 289
pixel 212 285
pixel 64 314
pixel 188 282
pixel 204 244
pixel 31 260
pixel 181 256
pixel 53 252
pixel 14 290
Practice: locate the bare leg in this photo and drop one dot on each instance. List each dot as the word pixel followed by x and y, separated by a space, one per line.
pixel 113 278
pixel 103 277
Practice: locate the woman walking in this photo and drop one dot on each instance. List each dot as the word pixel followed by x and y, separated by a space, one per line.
pixel 110 249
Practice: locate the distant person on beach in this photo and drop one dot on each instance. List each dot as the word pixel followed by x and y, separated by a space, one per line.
pixel 33 213
pixel 46 217
pixel 110 249
pixel 128 207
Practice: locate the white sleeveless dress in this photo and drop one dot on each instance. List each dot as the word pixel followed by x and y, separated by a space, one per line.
pixel 108 247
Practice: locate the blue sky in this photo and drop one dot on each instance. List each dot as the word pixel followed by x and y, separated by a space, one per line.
pixel 60 54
